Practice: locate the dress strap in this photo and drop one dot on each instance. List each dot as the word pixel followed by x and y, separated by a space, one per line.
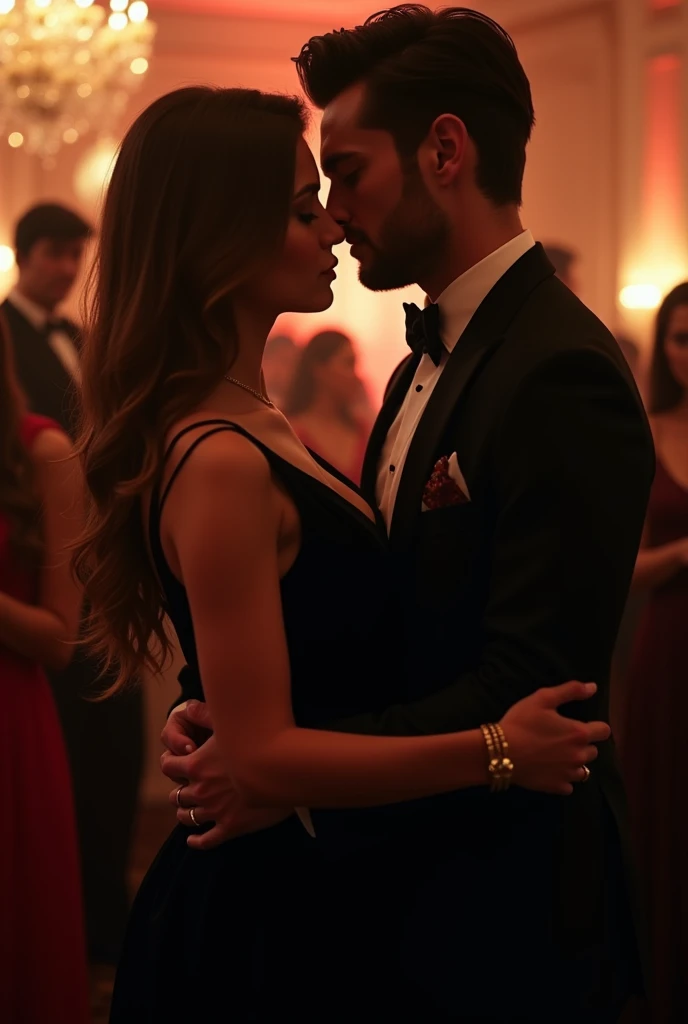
pixel 215 426
pixel 218 426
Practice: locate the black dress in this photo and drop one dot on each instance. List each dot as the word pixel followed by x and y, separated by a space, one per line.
pixel 278 925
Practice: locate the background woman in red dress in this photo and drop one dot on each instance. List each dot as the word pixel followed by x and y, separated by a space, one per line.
pixel 43 975
pixel 655 702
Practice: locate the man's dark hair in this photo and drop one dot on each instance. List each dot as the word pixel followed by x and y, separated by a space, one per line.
pixel 417 64
pixel 52 221
pixel 561 258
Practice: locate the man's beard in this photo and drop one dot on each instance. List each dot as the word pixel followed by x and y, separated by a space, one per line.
pixel 413 238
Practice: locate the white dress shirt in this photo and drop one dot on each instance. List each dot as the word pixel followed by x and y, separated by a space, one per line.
pixel 458 302
pixel 59 341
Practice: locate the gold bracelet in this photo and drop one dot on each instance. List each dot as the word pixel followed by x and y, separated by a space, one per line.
pixel 500 766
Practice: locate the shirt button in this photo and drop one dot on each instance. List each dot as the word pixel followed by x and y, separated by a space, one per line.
pixel 419 387
pixel 392 469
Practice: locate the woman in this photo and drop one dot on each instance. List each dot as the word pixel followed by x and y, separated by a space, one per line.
pixel 655 701
pixel 205 505
pixel 324 403
pixel 42 947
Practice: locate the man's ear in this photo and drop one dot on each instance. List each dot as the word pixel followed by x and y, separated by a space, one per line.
pixel 447 142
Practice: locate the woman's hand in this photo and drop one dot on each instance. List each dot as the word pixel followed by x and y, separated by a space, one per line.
pixel 549 751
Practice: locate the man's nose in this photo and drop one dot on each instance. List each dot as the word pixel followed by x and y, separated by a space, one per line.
pixel 337 210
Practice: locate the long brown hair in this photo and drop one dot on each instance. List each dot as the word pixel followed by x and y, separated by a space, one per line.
pixel 199 200
pixel 18 498
pixel 665 390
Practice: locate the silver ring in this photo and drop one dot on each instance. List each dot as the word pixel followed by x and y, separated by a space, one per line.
pixel 192 815
pixel 586 773
pixel 179 796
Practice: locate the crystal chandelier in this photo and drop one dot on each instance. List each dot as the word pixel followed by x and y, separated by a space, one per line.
pixel 67 68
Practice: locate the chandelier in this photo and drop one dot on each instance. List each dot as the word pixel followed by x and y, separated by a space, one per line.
pixel 68 68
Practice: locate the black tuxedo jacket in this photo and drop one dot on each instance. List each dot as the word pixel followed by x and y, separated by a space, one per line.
pixel 521 588
pixel 48 386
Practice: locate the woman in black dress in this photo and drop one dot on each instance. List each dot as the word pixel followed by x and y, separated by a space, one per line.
pixel 205 506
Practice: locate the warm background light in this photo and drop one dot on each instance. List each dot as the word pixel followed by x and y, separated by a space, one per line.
pixel 658 260
pixel 138 11
pixel 94 172
pixel 6 258
pixel 640 296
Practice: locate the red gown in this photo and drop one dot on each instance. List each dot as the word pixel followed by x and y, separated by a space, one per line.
pixel 43 972
pixel 655 760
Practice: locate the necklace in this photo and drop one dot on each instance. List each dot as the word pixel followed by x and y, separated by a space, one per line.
pixel 256 394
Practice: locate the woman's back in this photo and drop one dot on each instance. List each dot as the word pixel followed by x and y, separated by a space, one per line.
pixel 338 623
pixel 265 902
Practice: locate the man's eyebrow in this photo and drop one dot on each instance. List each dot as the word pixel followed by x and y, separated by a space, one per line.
pixel 330 163
pixel 311 189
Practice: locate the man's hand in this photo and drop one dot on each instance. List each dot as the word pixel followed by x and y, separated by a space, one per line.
pixel 205 785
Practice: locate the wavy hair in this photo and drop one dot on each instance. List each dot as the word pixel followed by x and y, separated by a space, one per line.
pixel 19 501
pixel 199 200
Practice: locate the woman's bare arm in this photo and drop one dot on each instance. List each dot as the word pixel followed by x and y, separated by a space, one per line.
pixel 657 565
pixel 46 632
pixel 222 521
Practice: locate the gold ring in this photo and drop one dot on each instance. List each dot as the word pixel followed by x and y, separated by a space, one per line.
pixel 179 797
pixel 192 815
pixel 586 773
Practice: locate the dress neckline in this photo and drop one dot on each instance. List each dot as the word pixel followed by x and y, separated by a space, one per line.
pixel 374 524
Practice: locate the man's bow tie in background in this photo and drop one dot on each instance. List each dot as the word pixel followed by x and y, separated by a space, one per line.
pixel 423 330
pixel 58 323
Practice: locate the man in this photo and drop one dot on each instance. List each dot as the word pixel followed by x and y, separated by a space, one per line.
pixel 512 463
pixel 564 262
pixel 49 245
pixel 105 740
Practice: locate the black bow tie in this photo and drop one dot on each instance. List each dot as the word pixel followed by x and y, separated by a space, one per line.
pixel 58 323
pixel 423 330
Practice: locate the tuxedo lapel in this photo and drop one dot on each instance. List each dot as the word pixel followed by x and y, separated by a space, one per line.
pixel 43 378
pixel 482 337
pixel 399 385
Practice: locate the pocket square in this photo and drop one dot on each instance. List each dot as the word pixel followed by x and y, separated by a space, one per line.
pixel 446 486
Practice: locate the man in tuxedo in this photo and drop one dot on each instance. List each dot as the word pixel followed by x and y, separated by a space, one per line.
pixel 104 741
pixel 49 246
pixel 512 463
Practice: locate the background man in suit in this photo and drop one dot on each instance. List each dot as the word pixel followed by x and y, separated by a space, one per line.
pixel 49 245
pixel 512 463
pixel 104 741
